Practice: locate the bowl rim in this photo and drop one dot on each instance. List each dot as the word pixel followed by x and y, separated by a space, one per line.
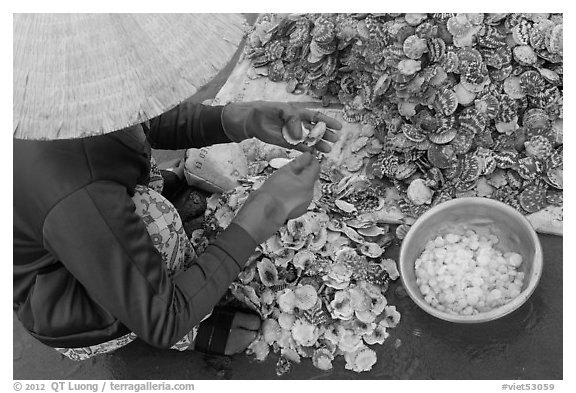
pixel 534 278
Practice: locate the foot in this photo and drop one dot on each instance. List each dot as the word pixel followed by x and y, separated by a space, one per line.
pixel 243 331
pixel 176 166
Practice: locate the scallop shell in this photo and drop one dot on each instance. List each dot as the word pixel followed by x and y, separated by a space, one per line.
pixel 535 118
pixel 353 163
pixel 306 297
pixel 490 37
pixel 288 138
pixel 555 197
pixel 436 49
pixel 465 96
pixel 521 32
pixel 405 170
pixel 550 75
pixel 318 240
pixel 471 120
pixel 554 42
pixel 274 50
pixel 488 105
pixel 442 135
pixel 316 133
pixel 352 235
pixel 247 295
pixel 508 109
pixel 372 231
pixel 555 177
pixel 538 32
pixel 418 193
pixel 556 158
pixel 358 144
pixel 441 156
pixel 413 133
pixel 303 259
pixel 345 206
pixel 279 162
pixel 529 168
pixel 513 88
pixel 268 272
pixel 371 250
pixel 531 82
pixel 525 55
pixel 402 231
pixel 500 74
pixel 470 168
pixel 468 55
pixel 533 198
pixel 454 170
pixel 409 66
pixel 462 142
pixel 300 226
pixel 415 19
pixel 539 147
pixel 458 25
pixel 497 58
pixel 271 331
pixel 426 30
pixel 414 47
pixel 450 62
pixel 385 166
pixel 447 101
pixel 474 76
pixel 324 30
pixel 374 147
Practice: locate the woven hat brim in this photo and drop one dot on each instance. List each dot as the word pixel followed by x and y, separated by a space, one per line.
pixel 78 75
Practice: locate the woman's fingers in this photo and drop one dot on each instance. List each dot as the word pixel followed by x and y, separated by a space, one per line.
pixel 315 117
pixel 330 136
pixel 323 146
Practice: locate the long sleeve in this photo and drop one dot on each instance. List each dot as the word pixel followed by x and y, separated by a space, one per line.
pixel 187 125
pixel 101 241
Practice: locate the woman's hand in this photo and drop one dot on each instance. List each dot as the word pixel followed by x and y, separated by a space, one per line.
pixel 283 196
pixel 265 120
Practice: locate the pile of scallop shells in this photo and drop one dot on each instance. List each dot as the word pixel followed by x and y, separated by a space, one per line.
pixel 463 104
pixel 319 283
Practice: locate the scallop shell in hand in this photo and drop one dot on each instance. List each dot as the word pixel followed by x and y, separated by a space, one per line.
pixel 288 138
pixel 315 134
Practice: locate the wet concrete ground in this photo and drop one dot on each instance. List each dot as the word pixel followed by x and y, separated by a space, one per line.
pixel 526 344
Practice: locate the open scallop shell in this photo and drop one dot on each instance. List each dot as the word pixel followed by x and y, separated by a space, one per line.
pixel 318 239
pixel 345 206
pixel 303 259
pixel 288 138
pixel 372 231
pixel 268 272
pixel 316 133
pixel 279 162
pixel 370 249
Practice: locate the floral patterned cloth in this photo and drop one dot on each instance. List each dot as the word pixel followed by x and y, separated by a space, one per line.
pixel 167 233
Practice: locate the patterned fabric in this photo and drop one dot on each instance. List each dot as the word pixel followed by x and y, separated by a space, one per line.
pixel 167 233
pixel 156 182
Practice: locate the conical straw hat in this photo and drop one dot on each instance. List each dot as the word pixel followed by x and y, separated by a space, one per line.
pixel 77 75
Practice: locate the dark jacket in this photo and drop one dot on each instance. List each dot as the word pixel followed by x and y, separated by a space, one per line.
pixel 85 269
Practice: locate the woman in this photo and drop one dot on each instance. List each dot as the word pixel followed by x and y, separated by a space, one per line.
pixel 89 277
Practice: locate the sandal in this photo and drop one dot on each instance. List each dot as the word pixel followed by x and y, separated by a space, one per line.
pixel 213 332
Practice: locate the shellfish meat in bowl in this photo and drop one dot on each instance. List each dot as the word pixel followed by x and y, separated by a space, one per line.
pixel 470 260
